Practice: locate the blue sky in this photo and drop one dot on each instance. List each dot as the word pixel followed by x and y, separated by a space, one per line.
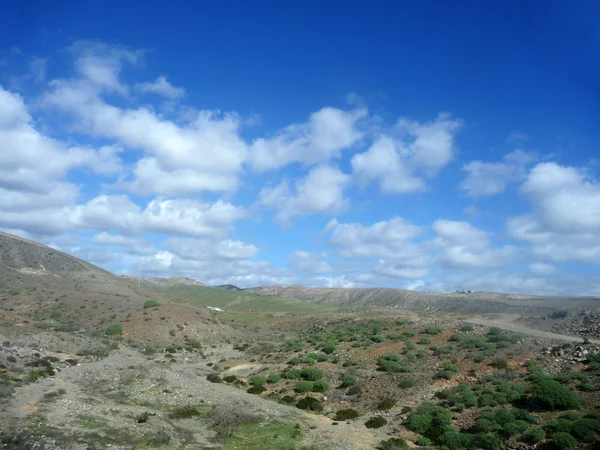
pixel 426 145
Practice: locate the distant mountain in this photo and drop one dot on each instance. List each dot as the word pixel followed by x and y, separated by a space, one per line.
pixel 430 302
pixel 231 287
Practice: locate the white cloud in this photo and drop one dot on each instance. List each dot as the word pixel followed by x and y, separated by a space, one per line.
pixel 161 86
pixel 565 222
pixel 133 245
pixel 485 179
pixel 200 249
pixel 401 162
pixel 465 246
pixel 323 137
pixel 539 268
pixel 310 263
pixel 386 239
pixel 38 67
pixel 322 190
pixel 205 146
pixel 336 282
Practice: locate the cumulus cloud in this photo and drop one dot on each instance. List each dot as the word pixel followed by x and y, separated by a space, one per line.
pixel 206 146
pixel 564 224
pixel 465 246
pixel 401 162
pixel 322 190
pixel 486 179
pixel 161 86
pixel 310 263
pixel 321 138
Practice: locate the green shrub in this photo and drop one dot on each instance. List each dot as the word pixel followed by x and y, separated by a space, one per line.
pixel 450 367
pixel 376 422
pixel 434 348
pixel 273 378
pixel 424 341
pixel 559 426
pixel 377 338
pixel 563 441
pixel 487 441
pixel 320 386
pixel 433 330
pixel 348 363
pixel 423 441
pixel 535 435
pixel 346 414
pixel 258 380
pixel 312 374
pixel 586 429
pixel 409 333
pixel 354 390
pixel 455 440
pixel 151 304
pixel 466 328
pixel 446 374
pixel 401 321
pixel 114 330
pixel 256 389
pixel 310 403
pixel 393 444
pixel 230 379
pixel 303 386
pixel 406 383
pixel 430 420
pixel 348 380
pixel 499 363
pixel 550 394
pixel 386 404
pixel 479 358
pixel 515 428
pixel 213 378
pixel 292 374
pixel 329 347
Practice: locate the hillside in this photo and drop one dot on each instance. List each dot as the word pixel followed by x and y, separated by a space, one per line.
pixel 45 288
pixel 431 302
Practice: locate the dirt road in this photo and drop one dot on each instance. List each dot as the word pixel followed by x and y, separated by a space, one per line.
pixel 509 324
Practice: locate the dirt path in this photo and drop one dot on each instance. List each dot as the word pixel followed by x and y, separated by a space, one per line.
pixel 508 323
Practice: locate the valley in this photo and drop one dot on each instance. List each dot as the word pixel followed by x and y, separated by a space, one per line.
pixel 90 360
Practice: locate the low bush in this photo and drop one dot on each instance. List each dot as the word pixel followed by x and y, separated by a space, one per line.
pixel 346 414
pixel 433 330
pixel 151 304
pixel 563 441
pixel 114 330
pixel 393 444
pixel 348 380
pixel 534 435
pixel 424 341
pixel 310 403
pixel 550 394
pixel 376 422
pixel 406 383
pixel 273 378
pixel 320 386
pixel 303 386
pixel 258 380
pixel 312 374
pixel 230 379
pixel 256 389
pixel 386 404
pixel 292 374
pixel 213 378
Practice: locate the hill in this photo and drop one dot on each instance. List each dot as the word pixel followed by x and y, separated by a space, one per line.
pixel 431 302
pixel 44 288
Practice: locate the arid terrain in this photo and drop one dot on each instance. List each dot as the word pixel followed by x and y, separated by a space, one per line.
pixel 90 360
